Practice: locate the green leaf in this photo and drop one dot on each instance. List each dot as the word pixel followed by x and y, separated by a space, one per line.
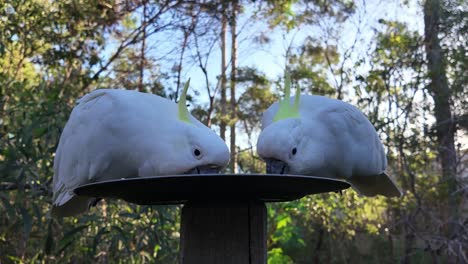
pixel 121 233
pixel 49 239
pixel 37 213
pixel 6 203
pixel 69 237
pixel 97 238
pixel 283 222
pixel 27 221
pixel 276 256
pixel 20 178
pixel 39 131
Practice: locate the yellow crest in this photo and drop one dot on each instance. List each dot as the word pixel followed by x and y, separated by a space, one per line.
pixel 285 109
pixel 182 105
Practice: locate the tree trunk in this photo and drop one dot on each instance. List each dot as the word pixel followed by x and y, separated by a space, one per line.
pixel 142 52
pixel 233 166
pixel 318 247
pixel 222 126
pixel 440 92
pixel 408 246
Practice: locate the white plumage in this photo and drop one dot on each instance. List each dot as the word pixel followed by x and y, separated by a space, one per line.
pixel 329 138
pixel 113 134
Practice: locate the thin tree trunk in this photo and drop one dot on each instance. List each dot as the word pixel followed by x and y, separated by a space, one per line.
pixel 187 31
pixel 408 246
pixel 142 52
pixel 210 112
pixel 391 253
pixel 318 247
pixel 440 92
pixel 222 126
pixel 233 166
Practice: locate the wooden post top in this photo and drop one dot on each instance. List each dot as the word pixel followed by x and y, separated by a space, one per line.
pixel 223 232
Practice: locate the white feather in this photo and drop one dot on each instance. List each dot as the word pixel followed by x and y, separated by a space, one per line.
pixel 113 134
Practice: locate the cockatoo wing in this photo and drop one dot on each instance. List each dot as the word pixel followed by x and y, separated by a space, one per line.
pixel 366 155
pixel 78 158
pixel 356 136
pixel 380 184
pixel 95 143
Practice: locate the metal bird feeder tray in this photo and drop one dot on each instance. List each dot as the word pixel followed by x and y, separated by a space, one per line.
pixel 178 189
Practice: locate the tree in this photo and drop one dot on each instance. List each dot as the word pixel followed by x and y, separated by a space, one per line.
pixel 223 101
pixel 233 147
pixel 441 93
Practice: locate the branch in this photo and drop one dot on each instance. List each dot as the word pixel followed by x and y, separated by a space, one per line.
pixel 203 66
pixel 462 121
pixel 132 38
pixel 13 186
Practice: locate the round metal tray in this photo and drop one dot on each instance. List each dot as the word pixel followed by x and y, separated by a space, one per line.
pixel 177 189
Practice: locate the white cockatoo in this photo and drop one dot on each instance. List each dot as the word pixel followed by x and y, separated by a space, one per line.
pixel 114 134
pixel 319 136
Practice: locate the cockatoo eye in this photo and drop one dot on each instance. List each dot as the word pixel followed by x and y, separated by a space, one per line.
pixel 197 153
pixel 294 151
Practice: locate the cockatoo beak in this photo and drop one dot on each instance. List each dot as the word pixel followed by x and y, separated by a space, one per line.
pixel 274 166
pixel 206 169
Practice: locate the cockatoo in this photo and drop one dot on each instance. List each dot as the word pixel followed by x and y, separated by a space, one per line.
pixel 114 134
pixel 319 136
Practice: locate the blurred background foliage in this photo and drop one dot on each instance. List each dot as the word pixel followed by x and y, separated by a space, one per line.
pixel 53 52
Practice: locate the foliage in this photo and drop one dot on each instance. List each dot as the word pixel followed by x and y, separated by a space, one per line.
pixel 294 13
pixel 309 67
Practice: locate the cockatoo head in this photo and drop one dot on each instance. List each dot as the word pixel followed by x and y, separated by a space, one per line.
pixel 189 146
pixel 284 143
pixel 200 150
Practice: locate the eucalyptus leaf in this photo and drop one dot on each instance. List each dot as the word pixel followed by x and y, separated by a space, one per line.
pixel 27 222
pixel 68 238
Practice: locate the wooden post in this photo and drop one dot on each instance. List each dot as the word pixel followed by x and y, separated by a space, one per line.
pixel 223 232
